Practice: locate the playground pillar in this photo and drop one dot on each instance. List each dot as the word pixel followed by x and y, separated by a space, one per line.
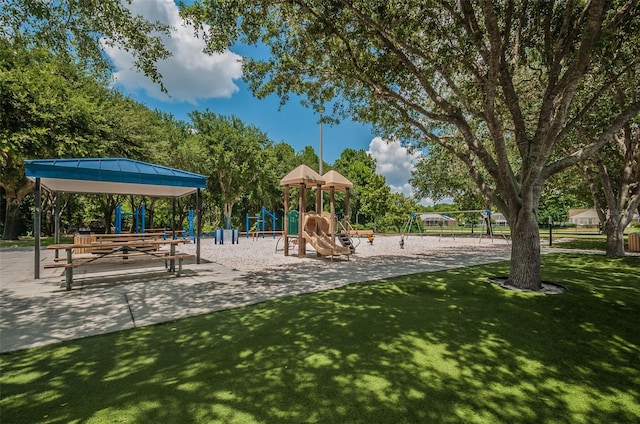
pixel 286 221
pixel 302 201
pixel 319 199
pixel 143 212
pixel 119 219
pixel 332 210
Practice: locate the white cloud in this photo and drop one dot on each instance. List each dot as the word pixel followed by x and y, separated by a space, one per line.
pixel 189 74
pixel 395 163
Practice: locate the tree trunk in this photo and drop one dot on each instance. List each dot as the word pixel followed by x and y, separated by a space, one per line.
pixel 12 219
pixel 228 208
pixel 615 236
pixel 525 252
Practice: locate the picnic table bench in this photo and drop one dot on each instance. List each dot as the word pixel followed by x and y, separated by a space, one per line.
pixel 365 233
pixel 117 252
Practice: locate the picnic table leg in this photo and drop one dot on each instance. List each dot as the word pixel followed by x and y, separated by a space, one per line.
pixel 172 262
pixel 179 267
pixel 69 271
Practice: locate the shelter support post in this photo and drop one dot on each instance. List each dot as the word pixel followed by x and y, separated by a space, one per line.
pixel 286 221
pixel 56 221
pixel 172 262
pixel 198 224
pixel 36 230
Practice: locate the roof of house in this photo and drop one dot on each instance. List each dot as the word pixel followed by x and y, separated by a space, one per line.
pixel 583 214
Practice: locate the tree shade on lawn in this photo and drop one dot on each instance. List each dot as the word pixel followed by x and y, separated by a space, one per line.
pixel 438 347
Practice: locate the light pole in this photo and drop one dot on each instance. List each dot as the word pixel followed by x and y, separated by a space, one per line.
pixel 321 111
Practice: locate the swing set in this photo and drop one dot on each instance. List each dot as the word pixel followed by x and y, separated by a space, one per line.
pixel 407 228
pixel 411 221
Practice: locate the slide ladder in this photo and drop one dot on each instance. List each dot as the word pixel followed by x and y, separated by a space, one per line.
pixel 345 241
pixel 344 236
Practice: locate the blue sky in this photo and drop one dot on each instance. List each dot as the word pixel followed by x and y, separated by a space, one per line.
pixel 197 81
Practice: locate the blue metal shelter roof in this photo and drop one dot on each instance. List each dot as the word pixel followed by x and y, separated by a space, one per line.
pixel 113 176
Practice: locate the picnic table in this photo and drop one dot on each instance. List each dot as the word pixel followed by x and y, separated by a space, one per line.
pixel 118 252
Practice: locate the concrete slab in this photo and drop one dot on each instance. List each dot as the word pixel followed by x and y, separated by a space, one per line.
pixel 40 312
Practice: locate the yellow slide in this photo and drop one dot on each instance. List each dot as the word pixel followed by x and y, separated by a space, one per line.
pixel 315 233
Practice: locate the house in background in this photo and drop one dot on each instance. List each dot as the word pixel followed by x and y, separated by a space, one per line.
pixel 589 218
pixel 499 219
pixel 584 217
pixel 436 219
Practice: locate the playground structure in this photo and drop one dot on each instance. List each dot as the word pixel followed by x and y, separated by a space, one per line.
pixel 486 226
pixel 139 226
pixel 486 221
pixel 317 229
pixel 261 219
pixel 485 229
pixel 138 216
pixel 408 227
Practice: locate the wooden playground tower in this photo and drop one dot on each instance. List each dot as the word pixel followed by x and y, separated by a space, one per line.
pixel 305 178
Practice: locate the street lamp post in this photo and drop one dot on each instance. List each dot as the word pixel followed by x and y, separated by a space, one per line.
pixel 321 111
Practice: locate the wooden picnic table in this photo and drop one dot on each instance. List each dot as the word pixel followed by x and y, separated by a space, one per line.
pixel 148 234
pixel 118 252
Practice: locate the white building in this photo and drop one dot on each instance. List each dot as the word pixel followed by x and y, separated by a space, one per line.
pixel 436 219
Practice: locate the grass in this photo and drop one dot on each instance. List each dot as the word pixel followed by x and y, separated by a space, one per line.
pixel 442 347
pixel 29 242
pixel 599 244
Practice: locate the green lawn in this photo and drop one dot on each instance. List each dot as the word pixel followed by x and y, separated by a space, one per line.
pixel 29 242
pixel 443 347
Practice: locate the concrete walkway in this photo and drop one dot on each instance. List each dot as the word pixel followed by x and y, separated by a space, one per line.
pixel 40 312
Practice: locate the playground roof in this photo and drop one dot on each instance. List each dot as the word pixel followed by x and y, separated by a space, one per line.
pixel 336 180
pixel 113 176
pixel 302 175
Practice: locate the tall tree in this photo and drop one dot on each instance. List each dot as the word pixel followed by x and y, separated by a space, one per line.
pixel 499 76
pixel 48 108
pixel 370 194
pixel 231 154
pixel 79 29
pixel 613 176
pixel 439 176
pixel 613 173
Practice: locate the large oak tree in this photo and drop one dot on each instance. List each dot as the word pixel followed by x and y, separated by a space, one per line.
pixel 48 100
pixel 231 154
pixel 486 80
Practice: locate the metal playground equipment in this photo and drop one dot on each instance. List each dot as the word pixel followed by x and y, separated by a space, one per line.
pixel 261 219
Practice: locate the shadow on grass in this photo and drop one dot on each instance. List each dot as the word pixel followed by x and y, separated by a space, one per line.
pixel 441 347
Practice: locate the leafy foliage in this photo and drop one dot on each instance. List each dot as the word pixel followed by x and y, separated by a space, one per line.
pixel 494 83
pixel 231 153
pixel 79 29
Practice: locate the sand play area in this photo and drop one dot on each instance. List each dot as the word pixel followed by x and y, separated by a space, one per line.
pixel 251 255
pixel 40 312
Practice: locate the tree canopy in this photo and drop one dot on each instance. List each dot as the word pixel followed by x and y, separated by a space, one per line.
pixel 494 83
pixel 77 30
